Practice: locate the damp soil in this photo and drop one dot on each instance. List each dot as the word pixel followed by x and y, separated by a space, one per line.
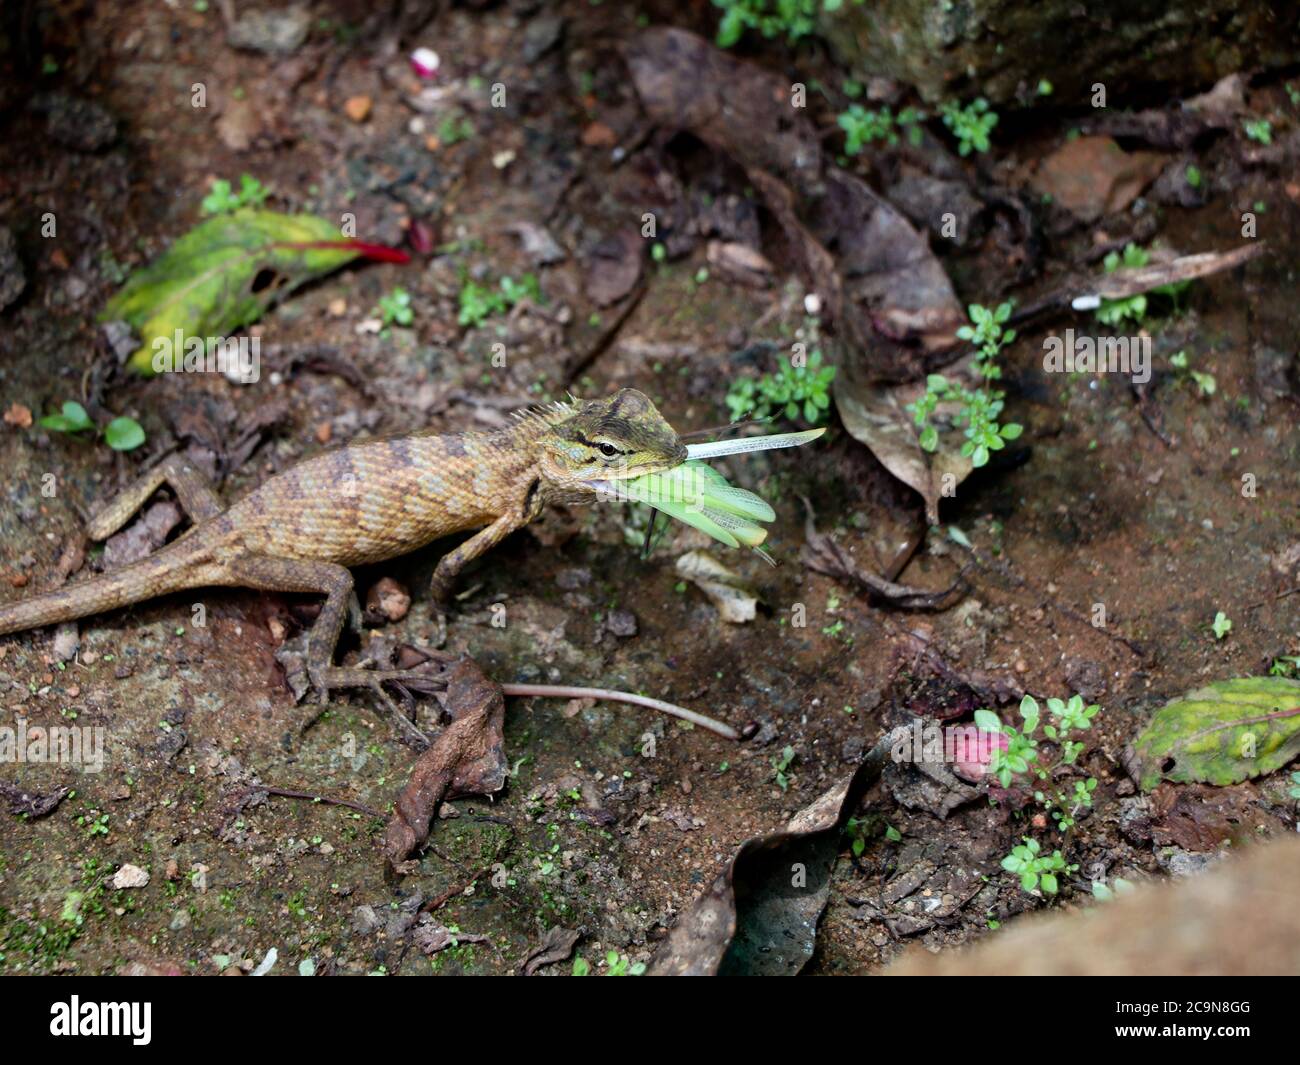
pixel 613 820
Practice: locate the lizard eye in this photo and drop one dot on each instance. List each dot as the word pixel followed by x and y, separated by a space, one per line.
pixel 608 450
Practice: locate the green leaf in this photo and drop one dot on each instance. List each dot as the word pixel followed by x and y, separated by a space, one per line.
pixel 224 274
pixel 1230 731
pixel 987 721
pixel 1029 881
pixel 124 434
pixel 73 419
pixel 1049 884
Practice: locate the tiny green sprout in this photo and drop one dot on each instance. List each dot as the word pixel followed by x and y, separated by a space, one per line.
pixel 621 965
pixel 478 302
pixel 1259 130
pixel 980 407
pixel 121 434
pixel 1035 869
pixel 1222 625
pixel 1072 716
pixel 581 967
pixel 1113 311
pixel 1193 176
pixel 893 835
pixel 1205 382
pixel 1285 666
pixel 1021 748
pixel 1044 87
pixel 791 19
pixel 793 392
pixel 73 419
pixel 454 128
pixel 222 199
pixel 863 126
pixel 395 307
pixel 854 828
pixel 124 434
pixel 971 125
pixel 780 764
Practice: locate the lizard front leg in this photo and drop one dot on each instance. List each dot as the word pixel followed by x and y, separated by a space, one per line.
pixel 335 583
pixel 197 497
pixel 449 567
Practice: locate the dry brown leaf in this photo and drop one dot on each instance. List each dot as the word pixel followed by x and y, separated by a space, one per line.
pixel 467 758
pixel 877 415
pixel 1093 176
pixel 726 589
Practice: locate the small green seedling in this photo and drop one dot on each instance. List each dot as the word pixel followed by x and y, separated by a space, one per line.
pixel 1021 748
pixel 1036 869
pixel 453 129
pixel 620 965
pixel 780 764
pixel 121 434
pixel 222 199
pixel 791 392
pixel 791 19
pixel 863 126
pixel 1021 759
pixel 478 302
pixel 1114 311
pixel 1285 666
pixel 1259 130
pixel 1206 384
pixel 971 125
pixel 395 308
pixel 1221 626
pixel 981 407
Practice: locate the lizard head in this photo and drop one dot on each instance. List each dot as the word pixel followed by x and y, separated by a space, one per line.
pixel 606 440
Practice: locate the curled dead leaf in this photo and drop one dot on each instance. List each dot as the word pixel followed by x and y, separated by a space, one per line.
pixel 726 589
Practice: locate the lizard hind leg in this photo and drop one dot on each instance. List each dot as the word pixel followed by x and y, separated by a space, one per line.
pixel 272 574
pixel 196 495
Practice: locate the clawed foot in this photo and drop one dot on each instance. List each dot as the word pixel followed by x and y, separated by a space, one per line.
pixel 439 604
pixel 324 680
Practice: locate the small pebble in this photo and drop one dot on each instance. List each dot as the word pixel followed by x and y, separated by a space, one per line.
pixel 357 108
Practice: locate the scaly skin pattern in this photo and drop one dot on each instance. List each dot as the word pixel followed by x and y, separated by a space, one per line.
pixel 366 502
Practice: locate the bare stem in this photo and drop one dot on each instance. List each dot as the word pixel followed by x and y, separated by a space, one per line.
pixel 556 691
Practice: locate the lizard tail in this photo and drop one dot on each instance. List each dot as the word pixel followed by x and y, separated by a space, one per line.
pixel 174 567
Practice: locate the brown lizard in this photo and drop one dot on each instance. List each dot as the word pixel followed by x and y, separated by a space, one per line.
pixel 366 502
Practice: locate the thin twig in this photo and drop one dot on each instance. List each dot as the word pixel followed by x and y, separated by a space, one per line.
pixel 1274 599
pixel 439 901
pixel 287 794
pixel 559 691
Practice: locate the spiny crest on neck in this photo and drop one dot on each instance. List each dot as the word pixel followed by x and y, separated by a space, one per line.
pixel 543 416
